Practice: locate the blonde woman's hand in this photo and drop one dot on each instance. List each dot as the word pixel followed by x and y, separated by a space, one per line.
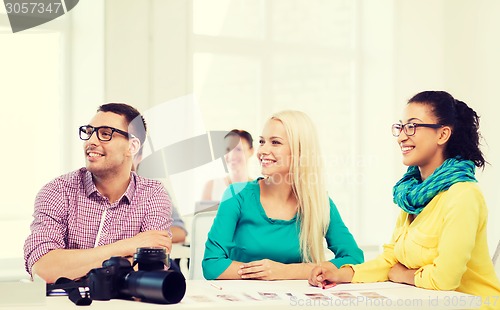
pixel 264 269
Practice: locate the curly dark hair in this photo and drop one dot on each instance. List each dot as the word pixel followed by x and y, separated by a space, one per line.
pixel 463 120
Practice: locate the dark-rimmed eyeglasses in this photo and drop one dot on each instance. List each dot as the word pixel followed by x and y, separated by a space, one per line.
pixel 104 133
pixel 410 128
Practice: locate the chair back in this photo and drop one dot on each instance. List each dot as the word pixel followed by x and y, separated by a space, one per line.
pixel 200 226
pixel 496 259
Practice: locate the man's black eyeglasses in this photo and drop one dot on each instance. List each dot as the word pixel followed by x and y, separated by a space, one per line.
pixel 410 128
pixel 104 133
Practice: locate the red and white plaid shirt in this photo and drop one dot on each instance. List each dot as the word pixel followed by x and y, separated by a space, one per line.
pixel 70 213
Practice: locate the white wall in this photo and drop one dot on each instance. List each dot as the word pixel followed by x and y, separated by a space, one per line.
pixel 405 47
pixel 376 211
pixel 475 51
pixel 141 52
pixel 52 82
pixel 452 45
pixel 86 75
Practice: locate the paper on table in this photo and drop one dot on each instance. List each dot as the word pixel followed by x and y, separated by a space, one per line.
pixel 246 291
pixel 368 286
pixel 299 286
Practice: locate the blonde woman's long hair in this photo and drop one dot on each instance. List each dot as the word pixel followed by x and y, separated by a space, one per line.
pixel 308 183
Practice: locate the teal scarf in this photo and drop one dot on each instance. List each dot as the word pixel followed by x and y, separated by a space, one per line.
pixel 412 195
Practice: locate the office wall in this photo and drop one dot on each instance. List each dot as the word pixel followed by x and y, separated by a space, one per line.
pixel 403 47
pixel 146 51
pixel 51 80
pixel 451 45
pixel 185 59
pixel 142 52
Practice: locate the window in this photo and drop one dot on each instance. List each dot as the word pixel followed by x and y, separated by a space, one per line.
pixel 32 93
pixel 252 58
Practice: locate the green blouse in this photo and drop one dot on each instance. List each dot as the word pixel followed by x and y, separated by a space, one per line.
pixel 242 232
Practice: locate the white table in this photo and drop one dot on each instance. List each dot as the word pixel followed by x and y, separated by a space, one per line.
pixel 289 295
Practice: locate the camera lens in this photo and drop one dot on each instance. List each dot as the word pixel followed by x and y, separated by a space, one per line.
pixel 151 258
pixel 164 287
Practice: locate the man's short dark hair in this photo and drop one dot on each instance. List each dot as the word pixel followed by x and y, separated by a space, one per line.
pixel 135 121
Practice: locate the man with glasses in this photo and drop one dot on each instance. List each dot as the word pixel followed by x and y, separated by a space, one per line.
pixel 103 210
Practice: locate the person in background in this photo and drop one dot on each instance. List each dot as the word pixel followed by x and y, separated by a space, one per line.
pixel 239 149
pixel 439 241
pixel 104 209
pixel 275 227
pixel 177 228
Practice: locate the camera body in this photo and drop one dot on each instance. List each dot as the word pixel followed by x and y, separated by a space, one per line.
pixel 105 283
pixel 118 279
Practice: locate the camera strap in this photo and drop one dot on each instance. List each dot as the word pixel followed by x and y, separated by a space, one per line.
pixel 72 288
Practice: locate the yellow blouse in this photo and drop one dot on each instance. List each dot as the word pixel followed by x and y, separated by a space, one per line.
pixel 446 242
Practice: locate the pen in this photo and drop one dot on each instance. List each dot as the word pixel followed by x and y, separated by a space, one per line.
pixel 215 286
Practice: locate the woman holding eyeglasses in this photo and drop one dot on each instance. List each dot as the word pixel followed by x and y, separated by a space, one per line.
pixel 439 241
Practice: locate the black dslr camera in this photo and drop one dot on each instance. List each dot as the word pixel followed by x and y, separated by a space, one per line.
pixel 118 279
pixel 151 283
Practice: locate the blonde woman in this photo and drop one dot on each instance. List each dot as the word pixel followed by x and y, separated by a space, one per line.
pixel 276 226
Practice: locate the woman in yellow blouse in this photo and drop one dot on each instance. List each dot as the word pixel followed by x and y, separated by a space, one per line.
pixel 439 241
